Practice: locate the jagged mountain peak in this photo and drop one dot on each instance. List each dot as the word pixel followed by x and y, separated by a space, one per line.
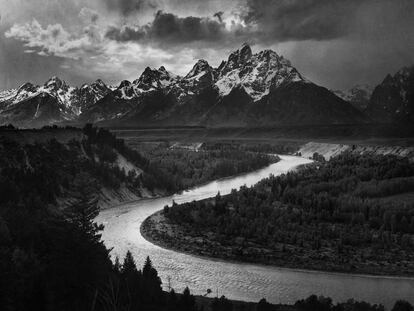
pixel 28 86
pixel 152 79
pixel 96 84
pixel 238 58
pixel 245 52
pixel 200 68
pixel 261 88
pixel 269 55
pixel 89 94
pixel 393 99
pixel 55 83
pixel 65 101
pixel 256 73
pixel 157 72
pixel 99 82
pixel 406 71
pixel 99 85
pixel 401 76
pixel 124 83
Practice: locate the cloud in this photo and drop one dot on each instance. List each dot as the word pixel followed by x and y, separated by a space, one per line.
pixel 257 20
pixel 89 15
pixel 167 26
pixel 285 20
pixel 54 39
pixel 170 29
pixel 129 7
pixel 125 33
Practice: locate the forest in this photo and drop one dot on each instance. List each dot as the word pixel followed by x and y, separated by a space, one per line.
pixel 53 258
pixel 183 168
pixel 353 213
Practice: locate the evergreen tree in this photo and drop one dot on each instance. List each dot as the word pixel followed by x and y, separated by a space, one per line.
pixel 221 304
pixel 83 212
pixel 129 266
pixel 152 281
pixel 172 301
pixel 402 305
pixel 263 305
pixel 187 301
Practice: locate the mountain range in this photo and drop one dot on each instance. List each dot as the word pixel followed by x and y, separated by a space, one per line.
pixel 254 90
pixel 51 103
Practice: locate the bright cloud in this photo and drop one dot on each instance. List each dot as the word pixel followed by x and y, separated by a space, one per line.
pixel 50 40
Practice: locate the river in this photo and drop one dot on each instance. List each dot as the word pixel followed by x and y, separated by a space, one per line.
pixel 249 282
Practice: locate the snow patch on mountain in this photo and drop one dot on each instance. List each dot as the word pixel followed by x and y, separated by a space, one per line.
pixel 70 101
pixel 154 79
pixel 256 73
pixel 363 90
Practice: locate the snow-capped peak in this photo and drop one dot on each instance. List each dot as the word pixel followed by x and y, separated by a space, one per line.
pixel 125 90
pixel 257 73
pixel 124 83
pixel 237 58
pixel 152 79
pixel 200 68
pixel 55 83
pixel 99 86
pixel 29 87
pixel 25 91
pixel 90 94
pixel 245 52
pixel 58 88
pixel 99 82
pixel 69 100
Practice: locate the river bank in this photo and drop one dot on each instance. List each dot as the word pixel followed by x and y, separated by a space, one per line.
pixel 160 231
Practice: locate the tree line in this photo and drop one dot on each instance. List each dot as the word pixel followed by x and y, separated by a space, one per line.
pixel 340 206
pixel 182 169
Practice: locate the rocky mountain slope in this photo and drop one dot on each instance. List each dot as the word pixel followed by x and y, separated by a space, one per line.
pixel 262 89
pixel 393 99
pixel 117 173
pixel 358 96
pixel 53 102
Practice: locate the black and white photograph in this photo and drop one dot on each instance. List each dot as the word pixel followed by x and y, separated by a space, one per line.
pixel 206 155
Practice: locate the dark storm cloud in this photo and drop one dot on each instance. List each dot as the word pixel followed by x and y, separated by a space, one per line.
pixel 219 16
pixel 125 33
pixel 262 21
pixel 129 7
pixel 169 28
pixel 285 20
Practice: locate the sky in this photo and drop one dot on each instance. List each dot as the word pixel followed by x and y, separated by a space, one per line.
pixel 334 43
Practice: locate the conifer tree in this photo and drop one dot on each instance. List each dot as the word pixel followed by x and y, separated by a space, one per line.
pixel 187 301
pixel 129 266
pixel 83 212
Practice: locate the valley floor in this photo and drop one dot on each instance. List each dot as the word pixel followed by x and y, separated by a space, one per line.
pixel 159 230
